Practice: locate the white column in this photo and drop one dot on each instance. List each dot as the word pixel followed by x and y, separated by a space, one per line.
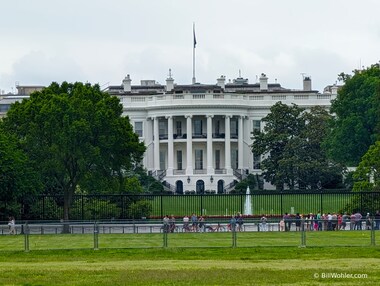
pixel 169 171
pixel 210 169
pixel 240 143
pixel 189 145
pixel 156 144
pixel 228 144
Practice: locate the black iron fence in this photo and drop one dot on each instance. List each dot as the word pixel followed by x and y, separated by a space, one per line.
pixel 95 207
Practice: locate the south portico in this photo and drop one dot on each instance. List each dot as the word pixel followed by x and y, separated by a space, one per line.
pixel 197 152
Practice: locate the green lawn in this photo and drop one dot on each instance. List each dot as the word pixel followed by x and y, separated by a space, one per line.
pixel 276 204
pixel 188 240
pixel 192 266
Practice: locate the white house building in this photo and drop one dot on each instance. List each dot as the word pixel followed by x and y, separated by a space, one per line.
pixel 198 136
pixel 23 91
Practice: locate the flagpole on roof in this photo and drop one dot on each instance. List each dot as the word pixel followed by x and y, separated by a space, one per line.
pixel 194 44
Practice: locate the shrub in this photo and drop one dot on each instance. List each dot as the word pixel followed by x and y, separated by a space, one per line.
pixel 94 209
pixel 140 209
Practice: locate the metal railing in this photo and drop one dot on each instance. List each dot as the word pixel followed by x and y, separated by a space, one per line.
pixel 209 233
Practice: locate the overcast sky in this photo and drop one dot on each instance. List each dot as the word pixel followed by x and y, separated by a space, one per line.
pixel 100 41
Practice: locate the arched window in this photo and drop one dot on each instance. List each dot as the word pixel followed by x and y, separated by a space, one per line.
pixel 179 187
pixel 220 186
pixel 200 187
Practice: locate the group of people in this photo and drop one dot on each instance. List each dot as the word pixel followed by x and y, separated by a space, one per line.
pixel 190 224
pixel 193 223
pixel 311 222
pixel 330 221
pixel 196 223
pixel 236 223
pixel 169 223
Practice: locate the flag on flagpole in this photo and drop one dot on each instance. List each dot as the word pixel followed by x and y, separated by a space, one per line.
pixel 195 40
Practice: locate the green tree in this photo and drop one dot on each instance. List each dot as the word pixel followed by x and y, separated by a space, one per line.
pixel 367 179
pixel 282 124
pixel 292 147
pixel 18 180
pixel 314 170
pixel 252 181
pixel 74 132
pixel 367 175
pixel 356 116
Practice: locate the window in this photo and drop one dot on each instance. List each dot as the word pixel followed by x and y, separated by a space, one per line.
pixel 162 130
pixel 234 129
pixel 217 159
pixel 217 127
pixel 198 159
pixel 179 159
pixel 139 128
pixel 197 127
pixel 179 128
pixel 162 160
pixel 256 125
pixel 234 159
pixel 200 187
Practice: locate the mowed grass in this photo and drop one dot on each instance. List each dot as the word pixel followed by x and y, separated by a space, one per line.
pixel 188 240
pixel 191 266
pixel 270 204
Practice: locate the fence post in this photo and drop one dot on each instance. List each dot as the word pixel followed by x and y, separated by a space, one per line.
pixel 233 230
pixel 43 207
pixel 373 239
pixel 201 212
pixel 303 233
pixel 96 236
pixel 161 207
pixel 361 201
pixel 165 238
pixel 242 204
pixel 26 237
pixel 82 206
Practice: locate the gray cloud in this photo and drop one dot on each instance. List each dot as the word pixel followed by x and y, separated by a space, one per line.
pixel 101 41
pixel 39 69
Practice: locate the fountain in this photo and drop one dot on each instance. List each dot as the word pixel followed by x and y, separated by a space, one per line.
pixel 248 203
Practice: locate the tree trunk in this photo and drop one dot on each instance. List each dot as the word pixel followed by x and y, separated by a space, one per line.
pixel 67 200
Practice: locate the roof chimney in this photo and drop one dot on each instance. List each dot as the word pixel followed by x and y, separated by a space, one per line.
pixel 170 82
pixel 263 82
pixel 221 81
pixel 127 84
pixel 307 83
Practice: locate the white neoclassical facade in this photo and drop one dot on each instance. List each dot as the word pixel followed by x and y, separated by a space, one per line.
pixel 198 136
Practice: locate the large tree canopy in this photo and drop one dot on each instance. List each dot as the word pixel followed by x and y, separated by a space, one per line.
pixel 356 116
pixel 74 133
pixel 18 180
pixel 291 145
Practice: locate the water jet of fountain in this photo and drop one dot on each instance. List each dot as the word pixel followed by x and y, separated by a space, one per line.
pixel 248 203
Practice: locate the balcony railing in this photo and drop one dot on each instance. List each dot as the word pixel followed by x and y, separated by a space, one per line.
pixel 179 172
pixel 220 171
pixel 218 135
pixel 165 136
pixel 253 99
pixel 200 136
